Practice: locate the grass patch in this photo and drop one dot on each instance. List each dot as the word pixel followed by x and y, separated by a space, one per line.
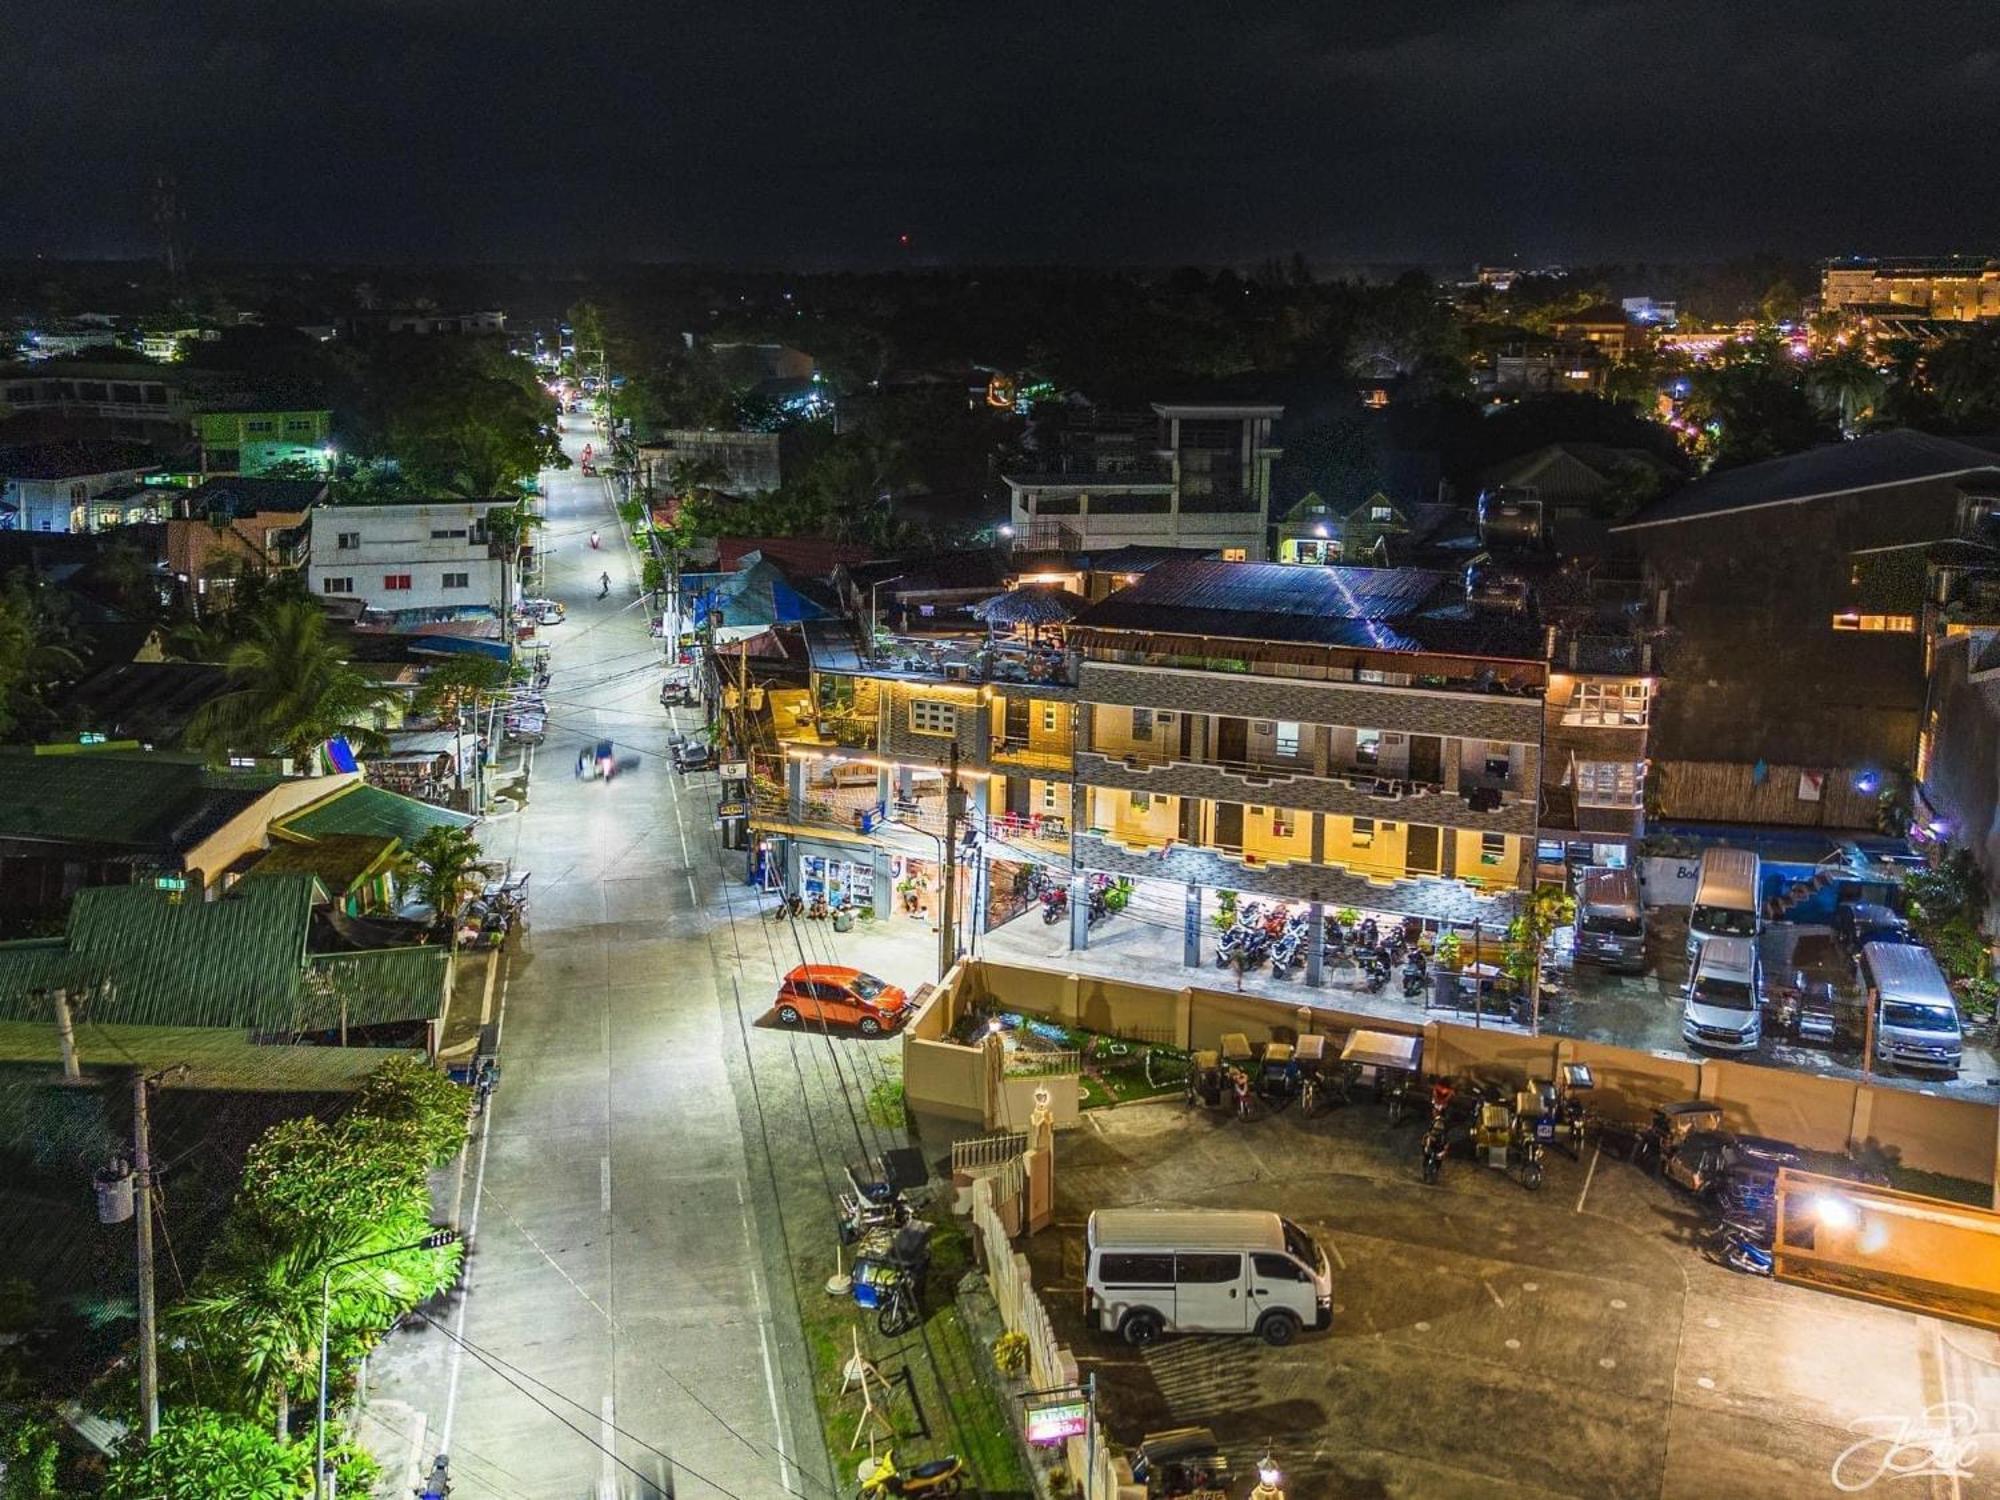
pixel 955 1394
pixel 885 1104
pixel 1117 1071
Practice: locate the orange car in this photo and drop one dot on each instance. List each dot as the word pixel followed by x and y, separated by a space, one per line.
pixel 841 997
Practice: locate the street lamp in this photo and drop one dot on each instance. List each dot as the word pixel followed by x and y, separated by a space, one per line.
pixel 1268 1479
pixel 436 1240
pixel 874 617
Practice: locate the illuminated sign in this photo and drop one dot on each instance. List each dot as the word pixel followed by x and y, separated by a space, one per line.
pixel 1058 1421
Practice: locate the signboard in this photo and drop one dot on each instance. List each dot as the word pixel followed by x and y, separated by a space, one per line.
pixel 731 809
pixel 1058 1421
pixel 734 770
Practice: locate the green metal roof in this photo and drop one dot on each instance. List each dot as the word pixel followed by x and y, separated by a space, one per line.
pixel 340 860
pixel 144 802
pixel 380 986
pixel 214 1058
pixel 360 808
pixel 135 956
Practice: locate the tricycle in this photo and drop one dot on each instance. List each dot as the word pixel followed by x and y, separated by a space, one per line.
pixel 890 1264
pixel 1181 1463
pixel 878 1186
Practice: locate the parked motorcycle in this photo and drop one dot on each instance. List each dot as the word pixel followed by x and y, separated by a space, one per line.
pixel 1741 1246
pixel 1374 972
pixel 1416 973
pixel 1434 1146
pixel 1055 905
pixel 941 1477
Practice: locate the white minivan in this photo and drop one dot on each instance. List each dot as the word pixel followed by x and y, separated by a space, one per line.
pixel 1203 1270
pixel 1725 897
pixel 1724 1005
pixel 1916 1018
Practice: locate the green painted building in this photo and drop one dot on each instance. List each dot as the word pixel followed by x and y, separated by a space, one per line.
pixel 254 442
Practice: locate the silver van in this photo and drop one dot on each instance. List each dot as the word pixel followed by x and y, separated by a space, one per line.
pixel 1206 1270
pixel 1916 1018
pixel 1725 897
pixel 1723 1010
pixel 1610 922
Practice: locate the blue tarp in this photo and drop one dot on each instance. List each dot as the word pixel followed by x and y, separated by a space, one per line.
pixel 458 645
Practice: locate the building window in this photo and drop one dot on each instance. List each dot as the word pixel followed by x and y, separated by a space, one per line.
pixel 337 585
pixel 1142 723
pixel 298 424
pixel 1284 823
pixel 1900 624
pixel 1049 718
pixel 1051 796
pixel 1142 803
pixel 1492 848
pixel 443 536
pixel 1616 704
pixel 1288 739
pixel 1367 747
pixel 1607 783
pixel 929 716
pixel 1364 832
pixel 348 541
pixel 1235 554
pixel 395 582
pixel 1381 513
pixel 256 426
pixel 458 580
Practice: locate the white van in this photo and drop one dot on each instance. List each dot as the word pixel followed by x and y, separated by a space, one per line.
pixel 1725 897
pixel 1203 1270
pixel 1725 995
pixel 1916 1018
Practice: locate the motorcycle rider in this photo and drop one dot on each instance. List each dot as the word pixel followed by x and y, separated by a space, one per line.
pixel 593 541
pixel 603 585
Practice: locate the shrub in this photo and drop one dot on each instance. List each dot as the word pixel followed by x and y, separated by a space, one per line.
pixel 201 1455
pixel 1010 1353
pixel 407 1092
pixel 885 1104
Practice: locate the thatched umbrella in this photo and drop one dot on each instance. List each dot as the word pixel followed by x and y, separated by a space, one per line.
pixel 1027 607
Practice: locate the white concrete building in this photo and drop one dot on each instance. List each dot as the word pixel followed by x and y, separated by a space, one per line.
pixel 427 556
pixel 1205 481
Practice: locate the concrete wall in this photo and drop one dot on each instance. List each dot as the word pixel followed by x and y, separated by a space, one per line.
pixel 1956 1137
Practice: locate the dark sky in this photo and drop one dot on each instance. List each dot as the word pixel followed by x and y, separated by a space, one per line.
pixel 1087 130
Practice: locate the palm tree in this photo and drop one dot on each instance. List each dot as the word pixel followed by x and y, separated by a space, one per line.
pixel 688 478
pixel 441 869
pixel 1846 386
pixel 291 690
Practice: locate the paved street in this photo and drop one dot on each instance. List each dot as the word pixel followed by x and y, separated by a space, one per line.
pixel 617 1297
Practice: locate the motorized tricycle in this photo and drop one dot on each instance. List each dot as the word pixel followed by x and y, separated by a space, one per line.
pixel 890 1265
pixel 877 1196
pixel 1181 1463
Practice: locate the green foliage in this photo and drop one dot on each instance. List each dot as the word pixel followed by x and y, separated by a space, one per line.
pixel 407 1092
pixel 653 575
pixel 1449 951
pixel 307 1178
pixel 208 1455
pixel 291 689
pixel 1545 909
pixel 1751 402
pixel 37 652
pixel 442 869
pixel 30 1456
pixel 459 681
pixel 1010 1353
pixel 885 1104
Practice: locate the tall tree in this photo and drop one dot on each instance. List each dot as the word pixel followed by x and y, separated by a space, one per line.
pixel 442 869
pixel 290 690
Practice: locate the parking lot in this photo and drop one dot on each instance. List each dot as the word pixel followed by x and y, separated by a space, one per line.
pixel 1492 1342
pixel 1627 1010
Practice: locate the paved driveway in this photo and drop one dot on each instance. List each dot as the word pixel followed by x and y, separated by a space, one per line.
pixel 1492 1342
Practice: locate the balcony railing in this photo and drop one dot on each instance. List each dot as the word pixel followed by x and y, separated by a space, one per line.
pixel 974 659
pixel 1361 780
pixel 1049 830
pixel 1013 752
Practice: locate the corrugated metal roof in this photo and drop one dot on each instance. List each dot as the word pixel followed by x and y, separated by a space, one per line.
pixel 1879 459
pixel 360 808
pixel 144 959
pixel 140 801
pixel 1382 609
pixel 338 859
pixel 214 1058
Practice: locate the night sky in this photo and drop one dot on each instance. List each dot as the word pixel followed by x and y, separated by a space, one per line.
pixel 815 134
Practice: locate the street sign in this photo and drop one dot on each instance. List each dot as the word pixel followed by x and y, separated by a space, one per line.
pixel 1057 1421
pixel 731 809
pixel 734 770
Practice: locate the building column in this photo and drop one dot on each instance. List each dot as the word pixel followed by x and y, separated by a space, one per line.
pixel 1191 928
pixel 1454 754
pixel 1322 751
pixel 795 788
pixel 1316 944
pixel 1079 910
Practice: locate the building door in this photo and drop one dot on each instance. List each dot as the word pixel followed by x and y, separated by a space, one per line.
pixel 1427 759
pixel 1420 852
pixel 1017 721
pixel 1208 1293
pixel 1191 820
pixel 1017 796
pixel 1232 741
pixel 1229 824
pixel 1187 737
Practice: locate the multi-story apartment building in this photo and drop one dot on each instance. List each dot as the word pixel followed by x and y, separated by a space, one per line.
pixel 1200 478
pixel 430 559
pixel 1949 289
pixel 1332 736
pixel 252 443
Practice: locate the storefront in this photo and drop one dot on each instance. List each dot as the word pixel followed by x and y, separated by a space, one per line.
pixel 840 881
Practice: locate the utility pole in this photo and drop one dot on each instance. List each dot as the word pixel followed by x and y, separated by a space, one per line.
pixel 66 1036
pixel 954 813
pixel 142 1171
